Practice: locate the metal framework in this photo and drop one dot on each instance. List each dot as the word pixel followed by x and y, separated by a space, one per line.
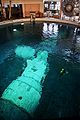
pixel 68 7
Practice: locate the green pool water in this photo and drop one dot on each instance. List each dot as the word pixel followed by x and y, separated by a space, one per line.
pixel 61 91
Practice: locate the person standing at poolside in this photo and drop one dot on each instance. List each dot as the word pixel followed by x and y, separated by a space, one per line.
pixel 0 12
pixel 4 13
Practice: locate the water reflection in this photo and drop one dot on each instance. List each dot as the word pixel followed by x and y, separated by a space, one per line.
pixel 50 30
pixel 63 39
pixel 67 43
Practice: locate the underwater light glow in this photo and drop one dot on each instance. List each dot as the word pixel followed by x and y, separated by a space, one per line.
pixel 14 30
pixel 22 23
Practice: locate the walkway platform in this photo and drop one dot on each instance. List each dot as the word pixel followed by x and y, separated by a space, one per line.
pixel 51 20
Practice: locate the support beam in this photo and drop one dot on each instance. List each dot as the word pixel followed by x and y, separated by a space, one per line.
pixel 9 9
pixel 0 10
pixel 79 10
pixel 61 9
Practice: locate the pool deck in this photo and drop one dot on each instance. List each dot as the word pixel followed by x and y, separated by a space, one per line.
pixel 41 20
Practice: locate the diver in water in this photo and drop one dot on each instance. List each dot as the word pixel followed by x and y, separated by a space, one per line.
pixel 62 72
pixel 34 19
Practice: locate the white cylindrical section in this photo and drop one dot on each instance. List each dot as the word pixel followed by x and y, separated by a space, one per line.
pixel 23 95
pixel 26 90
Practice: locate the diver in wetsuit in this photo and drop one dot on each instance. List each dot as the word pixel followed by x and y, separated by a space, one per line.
pixel 62 72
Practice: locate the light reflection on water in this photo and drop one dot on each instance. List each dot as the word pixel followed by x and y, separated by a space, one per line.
pixel 50 30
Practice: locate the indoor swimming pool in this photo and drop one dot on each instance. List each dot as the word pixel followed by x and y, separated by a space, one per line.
pixel 61 87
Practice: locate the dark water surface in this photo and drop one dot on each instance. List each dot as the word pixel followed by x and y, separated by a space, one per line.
pixel 61 92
